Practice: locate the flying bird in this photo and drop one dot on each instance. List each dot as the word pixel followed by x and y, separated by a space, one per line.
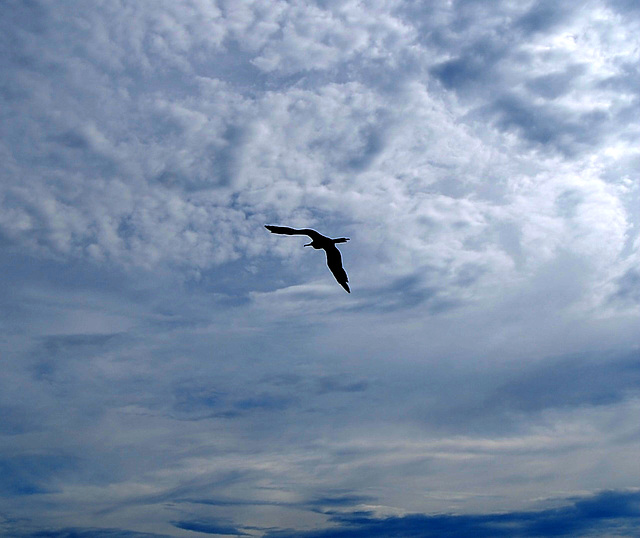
pixel 334 260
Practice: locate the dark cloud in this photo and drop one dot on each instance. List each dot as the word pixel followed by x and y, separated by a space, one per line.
pixel 328 384
pixel 284 379
pixel 628 8
pixel 547 125
pixel 554 85
pixel 372 144
pixel 54 352
pixel 498 402
pixel 29 15
pixel 217 161
pixel 408 292
pixel 458 72
pixel 468 274
pixel 470 71
pixel 543 17
pixel 71 139
pixel 628 288
pixel 486 58
pixel 195 397
pixel 570 382
pixel 340 501
pixel 627 78
pixel 18 419
pixel 485 64
pixel 567 203
pixel 56 344
pixel 264 402
pixel 614 512
pixel 208 527
pixel 29 474
pixel 90 532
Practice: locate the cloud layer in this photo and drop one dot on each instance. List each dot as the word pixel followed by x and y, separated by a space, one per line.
pixel 169 367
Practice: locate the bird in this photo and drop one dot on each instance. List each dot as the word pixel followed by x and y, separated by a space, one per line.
pixel 319 241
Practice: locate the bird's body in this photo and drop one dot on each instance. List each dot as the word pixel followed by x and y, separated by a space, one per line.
pixel 319 241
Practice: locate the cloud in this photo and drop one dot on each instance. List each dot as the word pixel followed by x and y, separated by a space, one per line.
pixel 606 512
pixel 554 85
pixel 542 17
pixel 330 384
pixel 193 172
pixel 30 474
pixel 570 381
pixel 209 527
pixel 79 532
pixel 548 127
pixel 628 288
pixel 170 366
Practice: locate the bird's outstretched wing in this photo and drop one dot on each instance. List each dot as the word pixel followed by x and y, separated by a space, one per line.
pixel 334 261
pixel 293 231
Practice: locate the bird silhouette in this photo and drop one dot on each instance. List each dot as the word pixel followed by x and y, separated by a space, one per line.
pixel 334 259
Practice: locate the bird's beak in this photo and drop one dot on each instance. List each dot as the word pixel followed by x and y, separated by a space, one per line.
pixel 308 245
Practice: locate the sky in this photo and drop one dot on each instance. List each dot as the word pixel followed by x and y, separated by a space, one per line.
pixel 170 368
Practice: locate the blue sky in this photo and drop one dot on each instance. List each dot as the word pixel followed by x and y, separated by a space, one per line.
pixel 170 368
